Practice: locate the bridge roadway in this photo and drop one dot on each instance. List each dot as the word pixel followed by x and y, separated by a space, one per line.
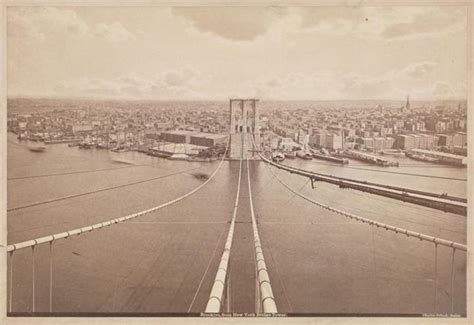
pixel 318 261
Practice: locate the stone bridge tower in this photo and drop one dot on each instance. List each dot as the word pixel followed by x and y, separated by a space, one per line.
pixel 244 122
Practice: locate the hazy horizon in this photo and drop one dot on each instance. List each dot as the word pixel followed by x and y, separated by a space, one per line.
pixel 412 100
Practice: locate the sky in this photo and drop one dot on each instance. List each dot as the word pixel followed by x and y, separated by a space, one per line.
pixel 214 53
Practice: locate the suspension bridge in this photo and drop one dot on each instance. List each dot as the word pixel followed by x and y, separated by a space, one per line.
pixel 244 262
pixel 242 281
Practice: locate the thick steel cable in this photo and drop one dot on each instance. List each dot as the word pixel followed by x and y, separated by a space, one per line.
pixel 214 302
pixel 435 278
pixel 11 283
pixel 62 198
pixel 397 230
pixel 50 276
pixel 228 283
pixel 421 211
pixel 307 173
pixel 33 269
pixel 77 231
pixel 287 202
pixel 76 172
pixel 392 172
pixel 266 292
pixel 408 174
pixel 257 290
pixel 452 282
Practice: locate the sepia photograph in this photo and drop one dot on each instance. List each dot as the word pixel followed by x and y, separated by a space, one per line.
pixel 236 160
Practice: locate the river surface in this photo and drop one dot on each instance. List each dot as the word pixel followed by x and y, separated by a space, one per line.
pixel 318 262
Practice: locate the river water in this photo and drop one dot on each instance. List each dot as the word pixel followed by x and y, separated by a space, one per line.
pixel 318 262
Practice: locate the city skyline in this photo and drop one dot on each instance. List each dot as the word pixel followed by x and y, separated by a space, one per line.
pixel 312 53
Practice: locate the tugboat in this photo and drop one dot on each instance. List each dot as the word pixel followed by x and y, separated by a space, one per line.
pixel 37 149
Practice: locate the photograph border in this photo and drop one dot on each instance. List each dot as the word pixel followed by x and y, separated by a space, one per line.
pixel 267 320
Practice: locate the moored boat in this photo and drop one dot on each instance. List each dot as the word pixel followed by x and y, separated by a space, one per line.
pixel 119 149
pixel 328 157
pixel 421 157
pixel 304 155
pixel 158 153
pixel 369 158
pixel 85 145
pixel 278 156
pixel 179 156
pixel 102 145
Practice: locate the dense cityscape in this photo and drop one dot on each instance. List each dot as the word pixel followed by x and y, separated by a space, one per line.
pixel 433 132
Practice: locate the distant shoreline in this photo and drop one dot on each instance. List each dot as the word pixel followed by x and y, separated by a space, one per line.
pixel 26 105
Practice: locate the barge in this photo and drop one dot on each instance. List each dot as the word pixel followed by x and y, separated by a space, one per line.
pixel 368 158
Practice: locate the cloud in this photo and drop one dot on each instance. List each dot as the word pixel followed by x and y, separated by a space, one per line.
pixel 176 84
pixel 443 91
pixel 428 22
pixel 114 32
pixel 288 53
pixel 231 23
pixel 41 23
pixel 174 79
pixel 186 76
pixel 388 23
pixel 325 18
pixel 289 86
pixel 367 87
pixel 420 70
